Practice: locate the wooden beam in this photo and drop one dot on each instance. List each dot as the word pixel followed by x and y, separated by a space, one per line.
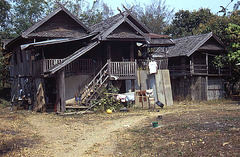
pixel 109 51
pixel 61 105
pixel 131 52
pixel 207 61
pixel 191 65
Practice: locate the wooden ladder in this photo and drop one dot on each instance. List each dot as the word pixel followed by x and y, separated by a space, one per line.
pixel 91 90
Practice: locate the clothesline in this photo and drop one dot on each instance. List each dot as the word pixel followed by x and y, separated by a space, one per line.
pixel 124 96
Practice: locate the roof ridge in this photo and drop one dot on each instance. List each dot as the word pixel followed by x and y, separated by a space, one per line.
pixel 197 35
pixel 207 36
pixel 106 19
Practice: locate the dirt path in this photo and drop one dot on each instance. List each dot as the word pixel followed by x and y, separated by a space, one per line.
pixel 76 138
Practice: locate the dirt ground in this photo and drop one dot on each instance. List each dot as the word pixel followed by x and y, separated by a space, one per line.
pixel 185 129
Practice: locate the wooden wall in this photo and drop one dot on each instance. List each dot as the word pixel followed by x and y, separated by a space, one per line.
pixel 197 88
pixel 215 88
pixel 181 88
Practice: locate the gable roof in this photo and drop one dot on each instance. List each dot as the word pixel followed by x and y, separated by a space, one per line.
pixel 48 17
pixel 107 26
pixel 186 46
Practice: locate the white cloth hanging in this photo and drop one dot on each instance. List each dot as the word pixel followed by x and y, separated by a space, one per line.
pixel 122 97
pixel 153 67
pixel 149 92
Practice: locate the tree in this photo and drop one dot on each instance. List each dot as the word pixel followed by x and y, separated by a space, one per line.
pixel 4 70
pixel 5 7
pixel 5 21
pixel 4 33
pixel 96 13
pixel 233 37
pixel 155 16
pixel 233 32
pixel 186 23
pixel 88 13
pixel 26 13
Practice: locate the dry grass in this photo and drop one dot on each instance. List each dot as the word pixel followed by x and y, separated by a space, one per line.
pixel 211 130
pixel 186 129
pixel 15 133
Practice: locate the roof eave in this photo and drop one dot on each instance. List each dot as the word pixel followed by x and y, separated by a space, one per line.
pixel 199 44
pixel 8 45
pixel 146 29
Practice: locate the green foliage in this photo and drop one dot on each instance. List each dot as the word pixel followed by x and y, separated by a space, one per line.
pixel 221 61
pixel 107 101
pixel 233 31
pixel 5 7
pixel 4 70
pixel 5 20
pixel 88 13
pixel 186 23
pixel 26 13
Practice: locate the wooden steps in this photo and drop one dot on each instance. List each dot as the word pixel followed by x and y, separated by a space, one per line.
pixel 75 113
pixel 77 107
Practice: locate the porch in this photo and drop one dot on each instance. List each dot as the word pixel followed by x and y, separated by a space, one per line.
pixel 198 69
pixel 79 66
pixel 125 70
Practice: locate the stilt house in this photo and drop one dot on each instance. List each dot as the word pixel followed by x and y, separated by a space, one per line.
pixel 192 69
pixel 60 56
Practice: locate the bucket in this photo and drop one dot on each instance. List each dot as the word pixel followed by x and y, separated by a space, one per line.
pixel 155 124
pixel 109 111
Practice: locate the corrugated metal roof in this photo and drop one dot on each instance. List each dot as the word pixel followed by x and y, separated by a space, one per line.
pixel 55 41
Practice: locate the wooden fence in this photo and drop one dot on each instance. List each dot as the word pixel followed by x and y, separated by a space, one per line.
pixel 200 69
pixel 143 64
pixel 83 66
pixel 122 70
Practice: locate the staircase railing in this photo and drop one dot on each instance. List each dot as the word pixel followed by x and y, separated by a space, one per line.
pixel 97 82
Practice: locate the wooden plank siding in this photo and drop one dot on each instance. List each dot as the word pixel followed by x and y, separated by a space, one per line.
pixel 20 64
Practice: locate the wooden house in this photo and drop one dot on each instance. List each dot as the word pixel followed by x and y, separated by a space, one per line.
pixel 192 69
pixel 60 56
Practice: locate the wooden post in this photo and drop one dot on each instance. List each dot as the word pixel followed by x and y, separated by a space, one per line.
pixel 109 51
pixel 109 67
pixel 207 62
pixel 61 106
pixel 132 59
pixel 57 95
pixel 131 52
pixel 191 65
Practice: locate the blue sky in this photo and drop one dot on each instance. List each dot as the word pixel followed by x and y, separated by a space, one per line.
pixel 191 5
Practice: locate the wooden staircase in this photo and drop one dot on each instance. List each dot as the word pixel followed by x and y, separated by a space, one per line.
pixel 92 89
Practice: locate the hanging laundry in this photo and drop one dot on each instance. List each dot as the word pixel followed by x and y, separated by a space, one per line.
pixel 130 96
pixel 142 95
pixel 153 67
pixel 149 92
pixel 122 97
